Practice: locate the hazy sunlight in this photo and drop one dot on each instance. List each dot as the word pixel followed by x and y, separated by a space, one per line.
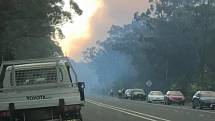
pixel 80 28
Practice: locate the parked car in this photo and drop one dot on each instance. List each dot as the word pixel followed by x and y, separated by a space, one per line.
pixel 155 96
pixel 174 97
pixel 203 99
pixel 128 93
pixel 121 93
pixel 138 94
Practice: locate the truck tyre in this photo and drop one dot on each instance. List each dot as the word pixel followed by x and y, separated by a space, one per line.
pixel 81 118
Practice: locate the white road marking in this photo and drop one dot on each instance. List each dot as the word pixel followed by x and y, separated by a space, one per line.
pixel 127 111
pixel 175 107
pixel 122 111
pixel 179 107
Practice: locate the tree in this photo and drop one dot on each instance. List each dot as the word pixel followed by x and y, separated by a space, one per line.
pixel 171 44
pixel 29 26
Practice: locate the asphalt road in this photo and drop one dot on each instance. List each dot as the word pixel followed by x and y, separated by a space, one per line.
pixel 104 108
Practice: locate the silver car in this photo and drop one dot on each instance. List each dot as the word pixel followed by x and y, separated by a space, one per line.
pixel 138 94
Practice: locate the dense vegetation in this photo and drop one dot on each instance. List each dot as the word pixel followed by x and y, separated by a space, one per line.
pixel 28 27
pixel 172 44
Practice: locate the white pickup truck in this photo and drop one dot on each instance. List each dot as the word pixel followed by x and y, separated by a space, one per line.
pixel 39 90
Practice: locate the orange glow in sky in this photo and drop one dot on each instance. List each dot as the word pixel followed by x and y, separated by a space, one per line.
pixel 78 32
pixel 97 18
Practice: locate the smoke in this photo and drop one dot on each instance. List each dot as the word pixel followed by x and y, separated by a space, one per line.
pixel 110 70
pixel 112 67
pixel 98 16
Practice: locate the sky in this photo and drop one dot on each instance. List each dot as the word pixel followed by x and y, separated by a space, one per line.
pixel 97 18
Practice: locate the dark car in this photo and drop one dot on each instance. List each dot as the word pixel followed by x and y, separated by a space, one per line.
pixel 203 99
pixel 138 94
pixel 174 97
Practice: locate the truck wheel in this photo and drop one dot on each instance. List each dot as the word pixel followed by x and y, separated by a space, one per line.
pixel 75 120
pixel 79 119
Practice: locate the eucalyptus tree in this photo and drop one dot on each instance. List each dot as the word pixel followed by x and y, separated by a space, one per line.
pixel 27 27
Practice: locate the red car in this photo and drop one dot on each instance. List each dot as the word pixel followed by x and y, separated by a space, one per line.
pixel 174 97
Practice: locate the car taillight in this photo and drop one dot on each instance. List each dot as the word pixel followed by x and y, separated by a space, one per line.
pixel 4 114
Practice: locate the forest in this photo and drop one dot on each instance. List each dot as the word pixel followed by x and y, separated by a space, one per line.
pixel 29 27
pixel 171 44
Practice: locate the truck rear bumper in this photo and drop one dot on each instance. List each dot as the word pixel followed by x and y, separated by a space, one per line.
pixel 48 113
pixel 45 113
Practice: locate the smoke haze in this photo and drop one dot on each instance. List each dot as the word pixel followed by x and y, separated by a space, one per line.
pixel 110 12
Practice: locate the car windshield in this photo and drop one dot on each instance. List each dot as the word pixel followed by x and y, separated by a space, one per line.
pixel 207 94
pixel 156 93
pixel 175 93
pixel 137 90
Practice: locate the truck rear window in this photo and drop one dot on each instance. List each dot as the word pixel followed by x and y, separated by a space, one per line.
pixel 35 76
